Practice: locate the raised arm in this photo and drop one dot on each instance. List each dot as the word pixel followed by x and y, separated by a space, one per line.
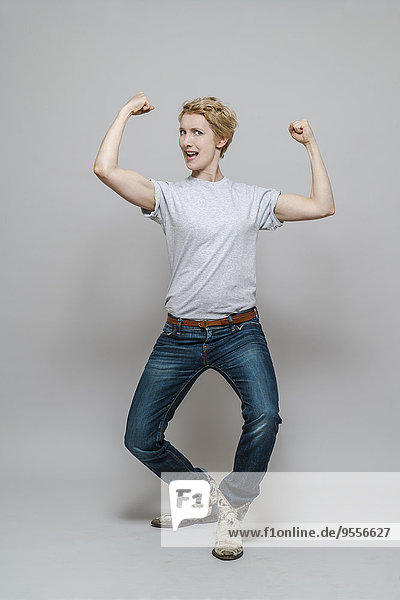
pixel 130 185
pixel 320 203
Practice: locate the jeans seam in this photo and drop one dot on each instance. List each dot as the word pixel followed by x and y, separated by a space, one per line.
pixel 174 400
pixel 239 328
pixel 169 332
pixel 233 384
pixel 177 458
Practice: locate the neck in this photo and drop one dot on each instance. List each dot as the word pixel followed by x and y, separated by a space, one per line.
pixel 208 175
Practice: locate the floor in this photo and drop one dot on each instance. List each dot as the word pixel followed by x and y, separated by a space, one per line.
pixel 62 542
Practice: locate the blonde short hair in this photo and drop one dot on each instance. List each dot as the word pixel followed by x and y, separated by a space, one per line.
pixel 222 119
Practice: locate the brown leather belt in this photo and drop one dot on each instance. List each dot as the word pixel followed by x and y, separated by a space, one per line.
pixel 250 314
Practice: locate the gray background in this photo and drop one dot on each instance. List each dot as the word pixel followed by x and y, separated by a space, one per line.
pixel 84 277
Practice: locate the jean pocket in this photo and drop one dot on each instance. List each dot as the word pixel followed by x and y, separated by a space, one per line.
pixel 169 328
pixel 251 323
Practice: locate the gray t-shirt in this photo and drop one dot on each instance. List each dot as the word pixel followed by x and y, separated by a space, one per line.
pixel 211 228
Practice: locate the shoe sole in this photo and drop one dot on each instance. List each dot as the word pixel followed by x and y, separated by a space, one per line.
pixel 226 557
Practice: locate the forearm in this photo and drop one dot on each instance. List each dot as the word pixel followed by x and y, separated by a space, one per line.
pixel 321 190
pixel 107 156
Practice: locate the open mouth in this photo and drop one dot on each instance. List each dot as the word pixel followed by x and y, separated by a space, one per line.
pixel 191 155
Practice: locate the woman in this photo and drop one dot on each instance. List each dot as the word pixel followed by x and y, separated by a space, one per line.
pixel 211 225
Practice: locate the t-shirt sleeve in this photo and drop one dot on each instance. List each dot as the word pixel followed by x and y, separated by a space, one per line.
pixel 159 213
pixel 266 200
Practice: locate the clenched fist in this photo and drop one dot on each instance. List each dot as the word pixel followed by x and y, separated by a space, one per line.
pixel 301 131
pixel 139 104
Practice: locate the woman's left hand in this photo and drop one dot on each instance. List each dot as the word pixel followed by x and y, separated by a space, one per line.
pixel 301 131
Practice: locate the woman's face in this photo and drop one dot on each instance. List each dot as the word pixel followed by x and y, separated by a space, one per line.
pixel 196 135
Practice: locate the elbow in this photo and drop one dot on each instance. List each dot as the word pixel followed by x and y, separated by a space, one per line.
pixel 98 171
pixel 330 212
pixel 326 214
pixel 102 172
pixel 324 211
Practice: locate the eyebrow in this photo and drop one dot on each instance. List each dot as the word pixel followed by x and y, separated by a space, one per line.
pixel 192 129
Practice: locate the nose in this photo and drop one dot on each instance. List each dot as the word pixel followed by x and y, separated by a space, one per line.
pixel 186 140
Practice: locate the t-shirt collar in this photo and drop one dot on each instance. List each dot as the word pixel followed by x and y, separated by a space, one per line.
pixel 196 180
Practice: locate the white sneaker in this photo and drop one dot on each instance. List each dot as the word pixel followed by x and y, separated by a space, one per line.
pixel 229 519
pixel 211 516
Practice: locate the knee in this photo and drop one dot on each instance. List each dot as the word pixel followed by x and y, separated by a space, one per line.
pixel 138 443
pixel 266 421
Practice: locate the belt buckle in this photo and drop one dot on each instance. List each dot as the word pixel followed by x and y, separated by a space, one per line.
pixel 200 323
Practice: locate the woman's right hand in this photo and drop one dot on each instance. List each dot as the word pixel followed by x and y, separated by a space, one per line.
pixel 138 105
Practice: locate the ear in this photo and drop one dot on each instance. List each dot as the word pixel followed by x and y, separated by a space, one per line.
pixel 222 142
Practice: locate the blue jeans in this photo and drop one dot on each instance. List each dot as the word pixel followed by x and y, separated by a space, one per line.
pixel 239 352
